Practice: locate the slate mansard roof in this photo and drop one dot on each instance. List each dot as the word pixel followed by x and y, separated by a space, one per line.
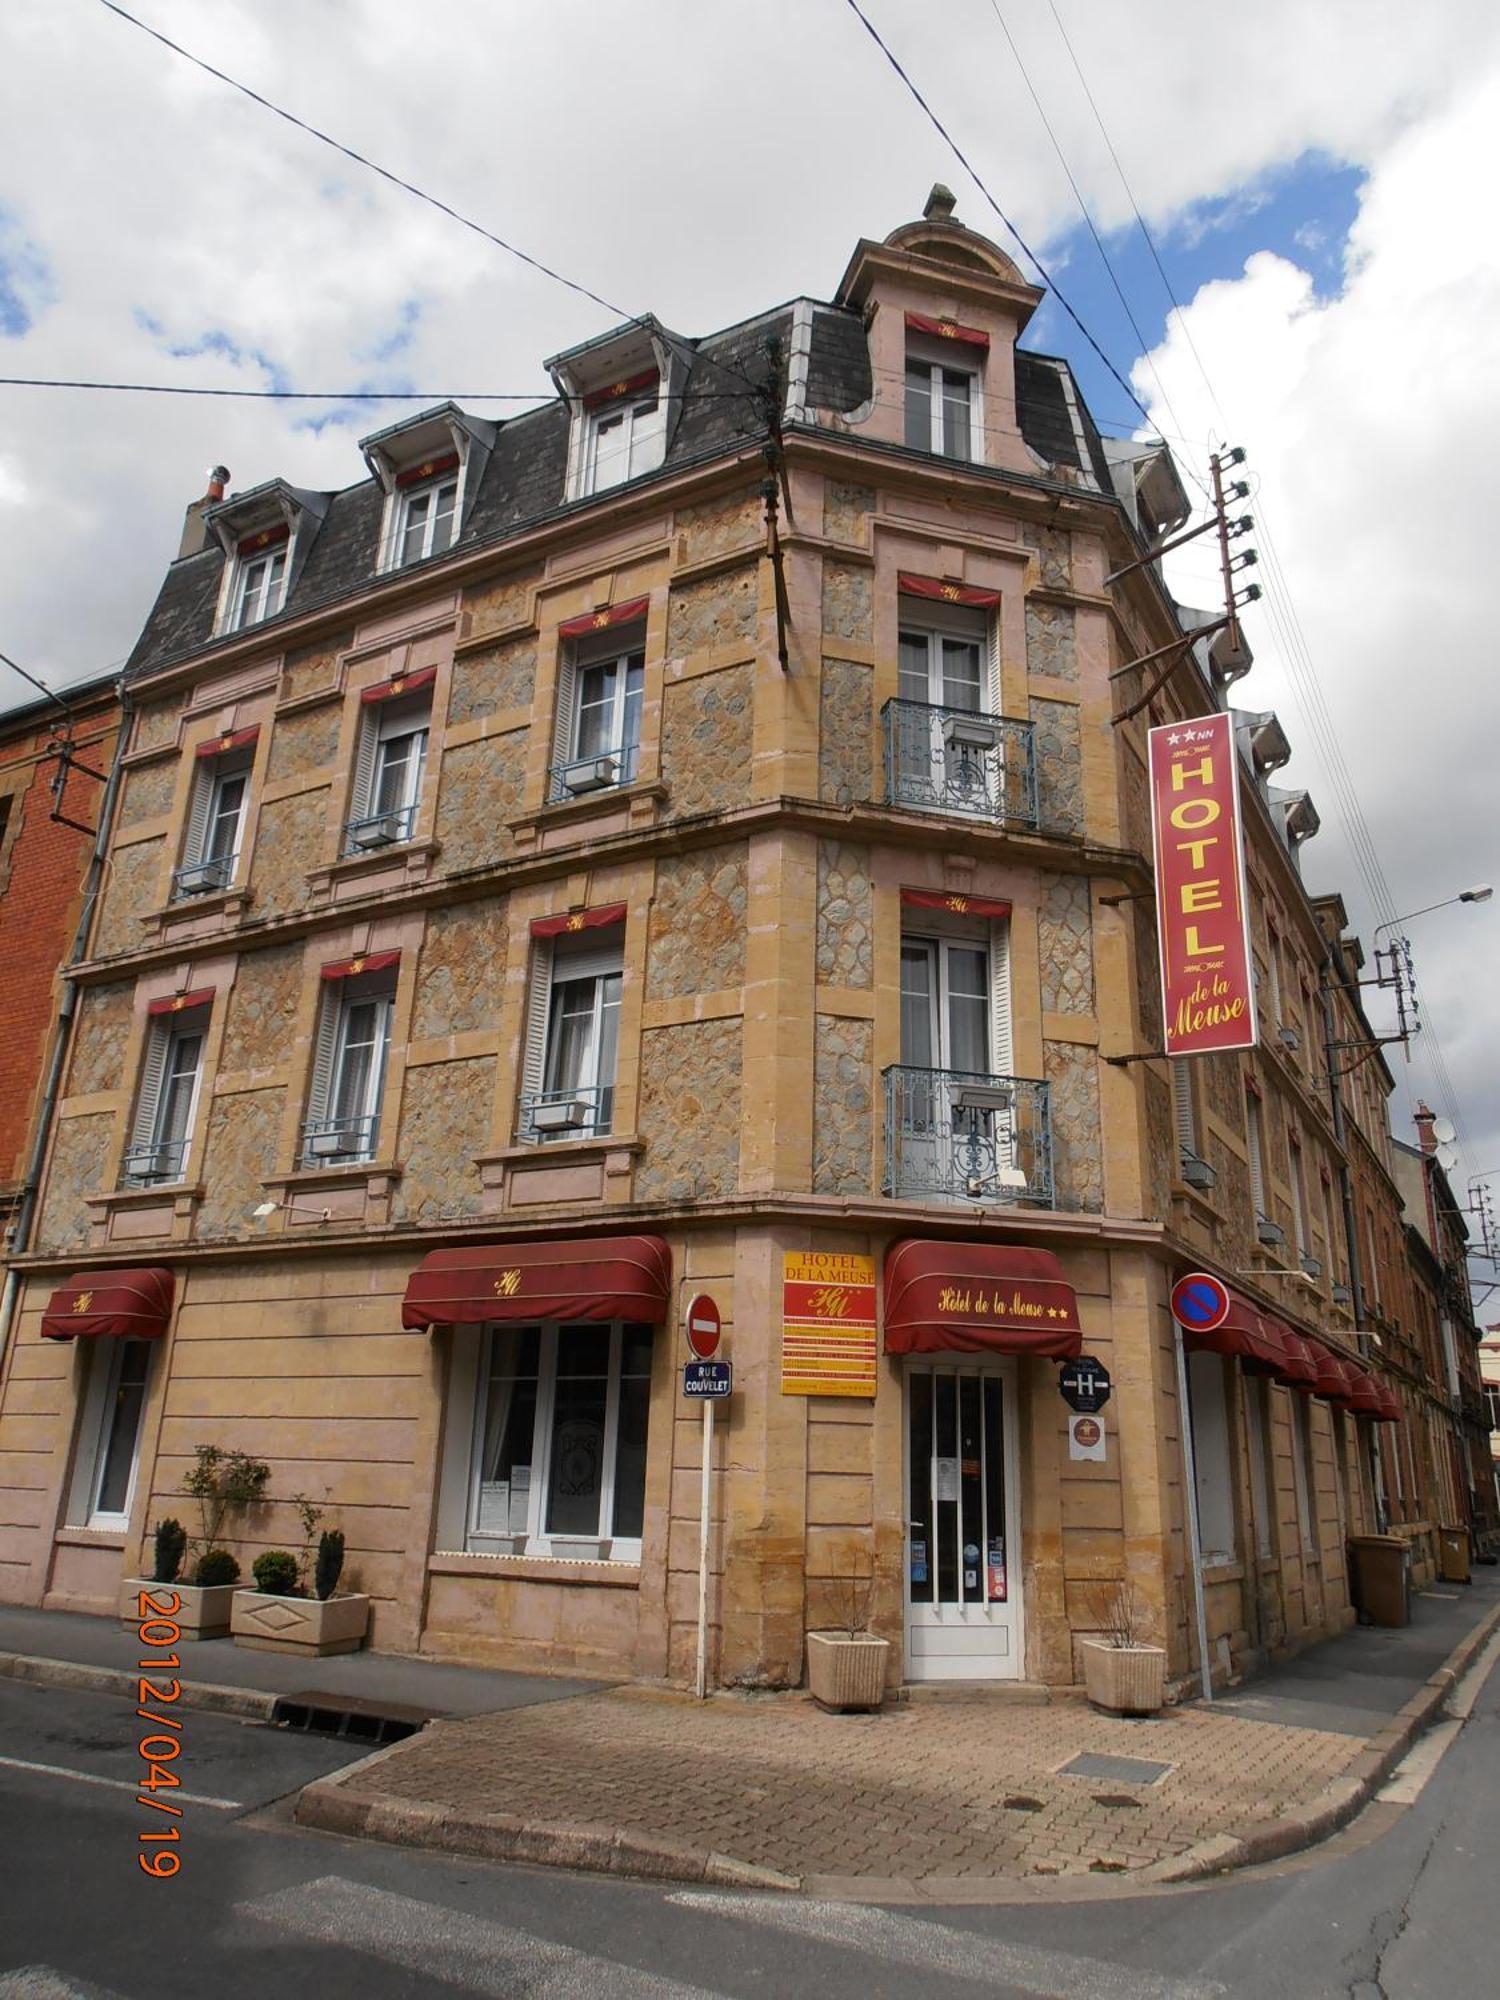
pixel 524 476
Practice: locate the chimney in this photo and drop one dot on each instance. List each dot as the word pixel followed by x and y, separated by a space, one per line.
pixel 193 534
pixel 1424 1120
pixel 940 204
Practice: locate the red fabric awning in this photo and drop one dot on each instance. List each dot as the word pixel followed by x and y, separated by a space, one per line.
pixel 947 329
pixel 1300 1367
pixel 597 399
pixel 179 1003
pixel 950 899
pixel 575 1278
pixel 579 920
pixel 429 468
pixel 263 538
pixel 1332 1382
pixel 1363 1394
pixel 1390 1411
pixel 947 591
pixel 129 1305
pixel 628 613
pixel 978 1298
pixel 1247 1334
pixel 232 739
pixel 368 961
pixel 400 684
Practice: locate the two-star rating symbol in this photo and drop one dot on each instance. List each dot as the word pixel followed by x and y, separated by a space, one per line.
pixel 1190 736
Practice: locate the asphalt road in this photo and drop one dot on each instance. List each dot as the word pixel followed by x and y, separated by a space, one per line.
pixel 1400 1908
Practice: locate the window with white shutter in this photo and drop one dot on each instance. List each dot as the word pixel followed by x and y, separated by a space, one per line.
pixel 216 823
pixel 390 763
pixel 572 1037
pixel 161 1132
pixel 599 689
pixel 350 1056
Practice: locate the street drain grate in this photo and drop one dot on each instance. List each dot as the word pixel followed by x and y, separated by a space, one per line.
pixel 1117 1799
pixel 350 1716
pixel 1114 1770
pixel 1020 1802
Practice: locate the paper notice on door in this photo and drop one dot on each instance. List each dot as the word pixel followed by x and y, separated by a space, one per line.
pixel 494 1507
pixel 520 1498
pixel 945 1478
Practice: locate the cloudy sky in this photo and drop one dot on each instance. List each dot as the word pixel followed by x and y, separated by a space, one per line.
pixel 1311 176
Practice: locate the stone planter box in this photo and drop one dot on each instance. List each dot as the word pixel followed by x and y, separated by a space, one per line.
pixel 846 1669
pixel 1127 1680
pixel 205 1607
pixel 308 1625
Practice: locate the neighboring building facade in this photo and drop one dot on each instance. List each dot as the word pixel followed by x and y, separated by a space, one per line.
pixel 545 888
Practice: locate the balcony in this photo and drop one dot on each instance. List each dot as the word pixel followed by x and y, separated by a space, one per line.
pixel 151 1166
pixel 338 1142
pixel 384 829
pixel 948 760
pixel 952 1135
pixel 581 1111
pixel 599 771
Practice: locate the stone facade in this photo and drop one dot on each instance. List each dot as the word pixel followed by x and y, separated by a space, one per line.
pixel 310 668
pixel 1135 802
pixel 1148 1013
pixel 130 890
pixel 99 1038
pixel 1161 1138
pixel 147 793
pixel 1077 1156
pixel 1053 548
pixel 843 1105
pixel 481 794
pixel 501 678
pixel 445 1123
pixel 499 602
pixel 288 841
pixel 262 1017
pixel 244 1132
pixel 1059 766
pixel 707 731
pixel 698 923
pixel 846 915
pixel 847 511
pixel 305 742
pixel 1050 641
pixel 848 601
pixel 845 721
pixel 718 526
pixel 462 972
pixel 1065 946
pixel 718 610
pixel 81 1165
pixel 156 723
pixel 690 1111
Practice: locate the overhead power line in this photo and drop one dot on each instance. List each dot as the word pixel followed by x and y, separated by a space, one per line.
pixel 324 395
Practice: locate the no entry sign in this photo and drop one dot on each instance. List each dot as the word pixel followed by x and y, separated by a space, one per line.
pixel 704 1326
pixel 1200 1302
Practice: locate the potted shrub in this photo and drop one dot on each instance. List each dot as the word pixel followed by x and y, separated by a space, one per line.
pixel 846 1666
pixel 279 1616
pixel 1122 1671
pixel 203 1601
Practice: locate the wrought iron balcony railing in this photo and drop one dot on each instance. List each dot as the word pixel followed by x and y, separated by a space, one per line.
pixel 954 1135
pixel 145 1166
pixel 949 760
pixel 383 829
pixel 581 1112
pixel 335 1142
pixel 599 771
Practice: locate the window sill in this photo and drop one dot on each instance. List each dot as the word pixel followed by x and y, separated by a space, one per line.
pixel 537 1569
pixel 357 1191
pixel 591 1170
pixel 91 1538
pixel 412 860
pixel 227 905
pixel 139 1214
pixel 636 805
pixel 1196 1201
pixel 1215 1571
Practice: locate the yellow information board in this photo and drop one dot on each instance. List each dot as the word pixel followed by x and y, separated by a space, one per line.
pixel 828 1324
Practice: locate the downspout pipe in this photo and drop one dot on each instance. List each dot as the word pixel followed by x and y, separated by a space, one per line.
pixel 20 1232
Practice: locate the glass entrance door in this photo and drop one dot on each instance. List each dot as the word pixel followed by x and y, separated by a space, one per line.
pixel 963 1575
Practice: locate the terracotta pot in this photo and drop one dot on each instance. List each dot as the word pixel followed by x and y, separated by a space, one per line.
pixel 847 1669
pixel 309 1625
pixel 1127 1680
pixel 204 1608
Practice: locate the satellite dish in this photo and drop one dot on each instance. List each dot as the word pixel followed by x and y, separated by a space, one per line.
pixel 1447 1158
pixel 1443 1131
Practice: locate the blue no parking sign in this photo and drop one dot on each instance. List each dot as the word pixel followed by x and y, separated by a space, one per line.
pixel 1200 1302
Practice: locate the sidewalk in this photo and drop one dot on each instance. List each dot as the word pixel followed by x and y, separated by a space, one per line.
pixel 945 1797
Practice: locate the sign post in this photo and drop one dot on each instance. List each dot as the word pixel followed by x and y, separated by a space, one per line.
pixel 1199 1301
pixel 708 1379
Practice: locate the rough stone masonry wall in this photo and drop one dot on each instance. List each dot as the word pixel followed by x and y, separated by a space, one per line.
pixel 843 1100
pixel 720 610
pixel 500 678
pixel 99 1039
pixel 1065 946
pixel 845 703
pixel 707 726
pixel 698 923
pixel 156 723
pixel 288 841
pixel 80 1164
pixel 1077 1156
pixel 1050 648
pixel 847 511
pixel 1053 548
pixel 462 972
pixel 846 915
pixel 305 742
pixel 690 1111
pixel 148 793
pixel 445 1123
pixel 718 526
pixel 848 601
pixel 313 667
pixel 481 794
pixel 1059 765
pixel 262 1014
pixel 129 892
pixel 244 1131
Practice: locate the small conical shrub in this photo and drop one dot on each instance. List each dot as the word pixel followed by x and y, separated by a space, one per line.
pixel 330 1563
pixel 171 1541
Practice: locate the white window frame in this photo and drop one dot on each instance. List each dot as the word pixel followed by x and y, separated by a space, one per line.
pixel 165 1036
pixel 618 761
pixel 937 356
pixel 1255 1155
pixel 556 962
pixel 1213 1457
pixel 931 740
pixel 938 946
pixel 642 416
pixel 1184 1112
pixel 385 723
pixel 1301 1214
pixel 330 1060
pixel 405 499
pixel 105 1366
pixel 534 1539
pixel 203 851
pixel 263 598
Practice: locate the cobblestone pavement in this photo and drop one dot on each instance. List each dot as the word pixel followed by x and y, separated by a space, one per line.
pixel 960 1785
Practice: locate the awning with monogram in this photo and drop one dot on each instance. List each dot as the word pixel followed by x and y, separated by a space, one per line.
pixel 125 1305
pixel 571 1278
pixel 978 1298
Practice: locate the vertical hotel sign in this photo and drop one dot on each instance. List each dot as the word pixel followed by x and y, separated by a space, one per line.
pixel 828 1324
pixel 1208 994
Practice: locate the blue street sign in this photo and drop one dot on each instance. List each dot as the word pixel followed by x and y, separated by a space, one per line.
pixel 1200 1302
pixel 707 1378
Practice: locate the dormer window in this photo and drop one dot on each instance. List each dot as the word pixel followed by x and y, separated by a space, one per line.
pixel 429 467
pixel 426 510
pixel 260 578
pixel 626 432
pixel 944 412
